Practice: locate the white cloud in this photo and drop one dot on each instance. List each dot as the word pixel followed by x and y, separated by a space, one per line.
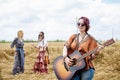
pixel 57 18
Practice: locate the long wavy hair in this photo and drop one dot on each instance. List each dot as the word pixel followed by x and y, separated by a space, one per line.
pixel 40 35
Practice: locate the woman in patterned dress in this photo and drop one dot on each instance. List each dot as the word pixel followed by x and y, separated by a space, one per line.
pixel 40 65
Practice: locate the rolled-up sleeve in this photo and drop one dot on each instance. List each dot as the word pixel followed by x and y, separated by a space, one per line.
pixel 13 43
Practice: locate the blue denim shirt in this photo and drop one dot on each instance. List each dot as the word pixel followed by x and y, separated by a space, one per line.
pixel 17 43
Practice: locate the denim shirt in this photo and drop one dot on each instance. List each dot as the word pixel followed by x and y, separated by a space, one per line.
pixel 17 43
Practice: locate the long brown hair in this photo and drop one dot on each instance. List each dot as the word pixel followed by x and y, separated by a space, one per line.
pixel 42 35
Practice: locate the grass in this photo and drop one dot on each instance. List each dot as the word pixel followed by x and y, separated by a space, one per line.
pixel 107 63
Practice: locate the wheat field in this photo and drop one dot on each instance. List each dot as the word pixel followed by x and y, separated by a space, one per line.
pixel 107 63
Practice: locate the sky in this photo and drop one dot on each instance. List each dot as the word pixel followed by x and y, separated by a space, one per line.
pixel 58 18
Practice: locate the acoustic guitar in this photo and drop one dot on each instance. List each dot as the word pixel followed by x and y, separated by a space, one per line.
pixel 65 72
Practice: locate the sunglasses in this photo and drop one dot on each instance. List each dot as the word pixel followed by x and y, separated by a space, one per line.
pixel 40 35
pixel 79 24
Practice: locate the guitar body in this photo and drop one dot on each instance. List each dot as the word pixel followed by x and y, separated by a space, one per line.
pixel 65 72
pixel 60 70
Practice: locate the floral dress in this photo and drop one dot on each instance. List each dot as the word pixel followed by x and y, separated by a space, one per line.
pixel 40 65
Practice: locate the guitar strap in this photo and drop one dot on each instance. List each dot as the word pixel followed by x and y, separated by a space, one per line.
pixel 77 42
pixel 82 41
pixel 94 39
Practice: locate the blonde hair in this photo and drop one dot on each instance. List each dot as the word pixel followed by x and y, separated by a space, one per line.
pixel 20 34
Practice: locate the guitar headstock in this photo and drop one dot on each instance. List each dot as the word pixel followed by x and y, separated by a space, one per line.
pixel 109 42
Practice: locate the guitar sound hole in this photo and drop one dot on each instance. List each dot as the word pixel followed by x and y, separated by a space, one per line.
pixel 74 62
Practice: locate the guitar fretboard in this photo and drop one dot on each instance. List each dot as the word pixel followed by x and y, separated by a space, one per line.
pixel 85 55
pixel 108 42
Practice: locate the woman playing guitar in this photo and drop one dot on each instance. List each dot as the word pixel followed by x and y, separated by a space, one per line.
pixel 84 43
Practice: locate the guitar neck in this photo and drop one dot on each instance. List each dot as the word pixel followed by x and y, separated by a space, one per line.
pixel 89 53
pixel 108 42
